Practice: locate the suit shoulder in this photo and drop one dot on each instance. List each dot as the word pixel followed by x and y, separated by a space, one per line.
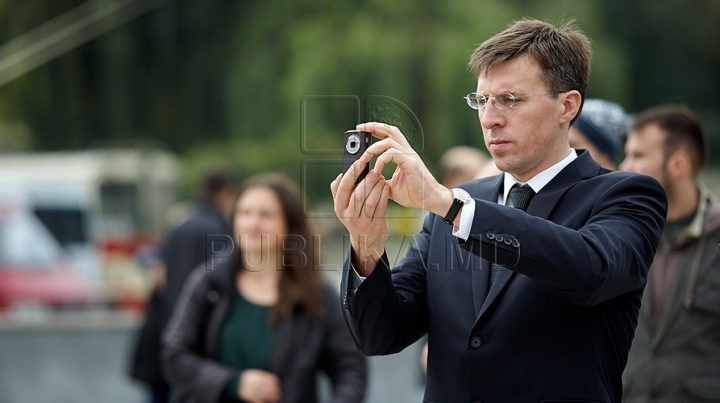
pixel 628 178
pixel 622 184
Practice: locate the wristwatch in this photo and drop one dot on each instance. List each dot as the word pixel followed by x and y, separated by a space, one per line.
pixel 462 197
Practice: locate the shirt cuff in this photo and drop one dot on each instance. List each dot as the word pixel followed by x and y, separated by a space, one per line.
pixel 355 280
pixel 467 214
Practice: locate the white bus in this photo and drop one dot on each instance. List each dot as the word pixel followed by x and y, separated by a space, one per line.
pixel 101 205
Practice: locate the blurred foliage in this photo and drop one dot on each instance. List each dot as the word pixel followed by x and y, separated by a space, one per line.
pixel 222 81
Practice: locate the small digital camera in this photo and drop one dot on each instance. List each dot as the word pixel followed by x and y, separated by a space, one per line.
pixel 356 142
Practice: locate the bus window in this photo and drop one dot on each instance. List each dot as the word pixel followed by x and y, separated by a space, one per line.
pixel 66 224
pixel 119 206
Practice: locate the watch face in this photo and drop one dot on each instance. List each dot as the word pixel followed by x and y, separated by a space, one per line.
pixel 461 194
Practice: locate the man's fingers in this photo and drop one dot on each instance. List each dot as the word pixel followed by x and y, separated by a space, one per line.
pixel 398 157
pixel 359 196
pixel 334 185
pixel 383 131
pixel 380 147
pixel 346 185
pixel 373 198
pixel 383 203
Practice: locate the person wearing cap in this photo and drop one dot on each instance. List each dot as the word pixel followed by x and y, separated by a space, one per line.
pixel 600 129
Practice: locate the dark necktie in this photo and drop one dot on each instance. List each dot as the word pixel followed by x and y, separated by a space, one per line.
pixel 520 196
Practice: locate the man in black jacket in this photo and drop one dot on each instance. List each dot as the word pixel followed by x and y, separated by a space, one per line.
pixel 185 247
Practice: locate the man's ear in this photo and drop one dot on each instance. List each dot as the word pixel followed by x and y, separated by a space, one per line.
pixel 679 164
pixel 571 105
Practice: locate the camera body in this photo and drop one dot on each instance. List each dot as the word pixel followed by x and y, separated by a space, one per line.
pixel 355 143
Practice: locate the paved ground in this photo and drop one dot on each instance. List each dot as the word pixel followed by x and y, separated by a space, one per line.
pixel 83 357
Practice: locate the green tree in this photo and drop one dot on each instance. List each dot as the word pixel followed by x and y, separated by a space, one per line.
pixel 222 81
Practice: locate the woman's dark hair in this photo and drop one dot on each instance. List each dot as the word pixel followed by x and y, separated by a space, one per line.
pixel 300 283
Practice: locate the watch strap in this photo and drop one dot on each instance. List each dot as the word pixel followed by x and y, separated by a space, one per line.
pixel 454 210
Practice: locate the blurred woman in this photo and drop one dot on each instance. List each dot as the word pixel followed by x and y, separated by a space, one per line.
pixel 259 326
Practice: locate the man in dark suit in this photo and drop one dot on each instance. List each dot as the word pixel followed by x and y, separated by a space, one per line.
pixel 519 306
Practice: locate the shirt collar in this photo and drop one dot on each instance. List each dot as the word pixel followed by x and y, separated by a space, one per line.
pixel 538 181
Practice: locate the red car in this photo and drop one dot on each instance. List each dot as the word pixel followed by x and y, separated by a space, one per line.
pixel 33 270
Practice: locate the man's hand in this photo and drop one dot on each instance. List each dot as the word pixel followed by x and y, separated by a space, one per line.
pixel 412 184
pixel 362 210
pixel 258 386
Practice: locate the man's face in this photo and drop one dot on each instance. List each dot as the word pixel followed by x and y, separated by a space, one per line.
pixel 529 137
pixel 645 153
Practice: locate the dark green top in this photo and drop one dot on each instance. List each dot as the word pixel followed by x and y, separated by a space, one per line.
pixel 244 341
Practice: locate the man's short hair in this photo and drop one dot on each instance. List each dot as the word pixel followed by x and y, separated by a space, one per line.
pixel 682 130
pixel 563 54
pixel 215 181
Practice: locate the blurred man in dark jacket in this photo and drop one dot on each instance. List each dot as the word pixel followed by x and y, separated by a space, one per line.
pixel 675 356
pixel 185 247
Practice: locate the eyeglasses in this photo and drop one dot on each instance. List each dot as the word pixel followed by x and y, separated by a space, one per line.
pixel 500 101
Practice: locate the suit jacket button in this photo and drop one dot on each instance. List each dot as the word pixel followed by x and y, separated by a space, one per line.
pixel 475 342
pixel 499 238
pixel 508 241
pixel 516 243
pixel 490 235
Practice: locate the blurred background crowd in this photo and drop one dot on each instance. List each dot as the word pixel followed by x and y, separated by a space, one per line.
pixel 112 112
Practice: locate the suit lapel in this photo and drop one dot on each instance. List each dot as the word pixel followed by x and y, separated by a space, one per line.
pixel 503 278
pixel 480 277
pixel 544 202
pixel 542 206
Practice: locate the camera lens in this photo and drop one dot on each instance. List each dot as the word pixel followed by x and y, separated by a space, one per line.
pixel 353 144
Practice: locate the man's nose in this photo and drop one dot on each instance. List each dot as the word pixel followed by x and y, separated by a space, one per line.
pixel 491 116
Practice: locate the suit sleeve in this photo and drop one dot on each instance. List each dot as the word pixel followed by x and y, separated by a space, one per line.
pixel 388 312
pixel 607 255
